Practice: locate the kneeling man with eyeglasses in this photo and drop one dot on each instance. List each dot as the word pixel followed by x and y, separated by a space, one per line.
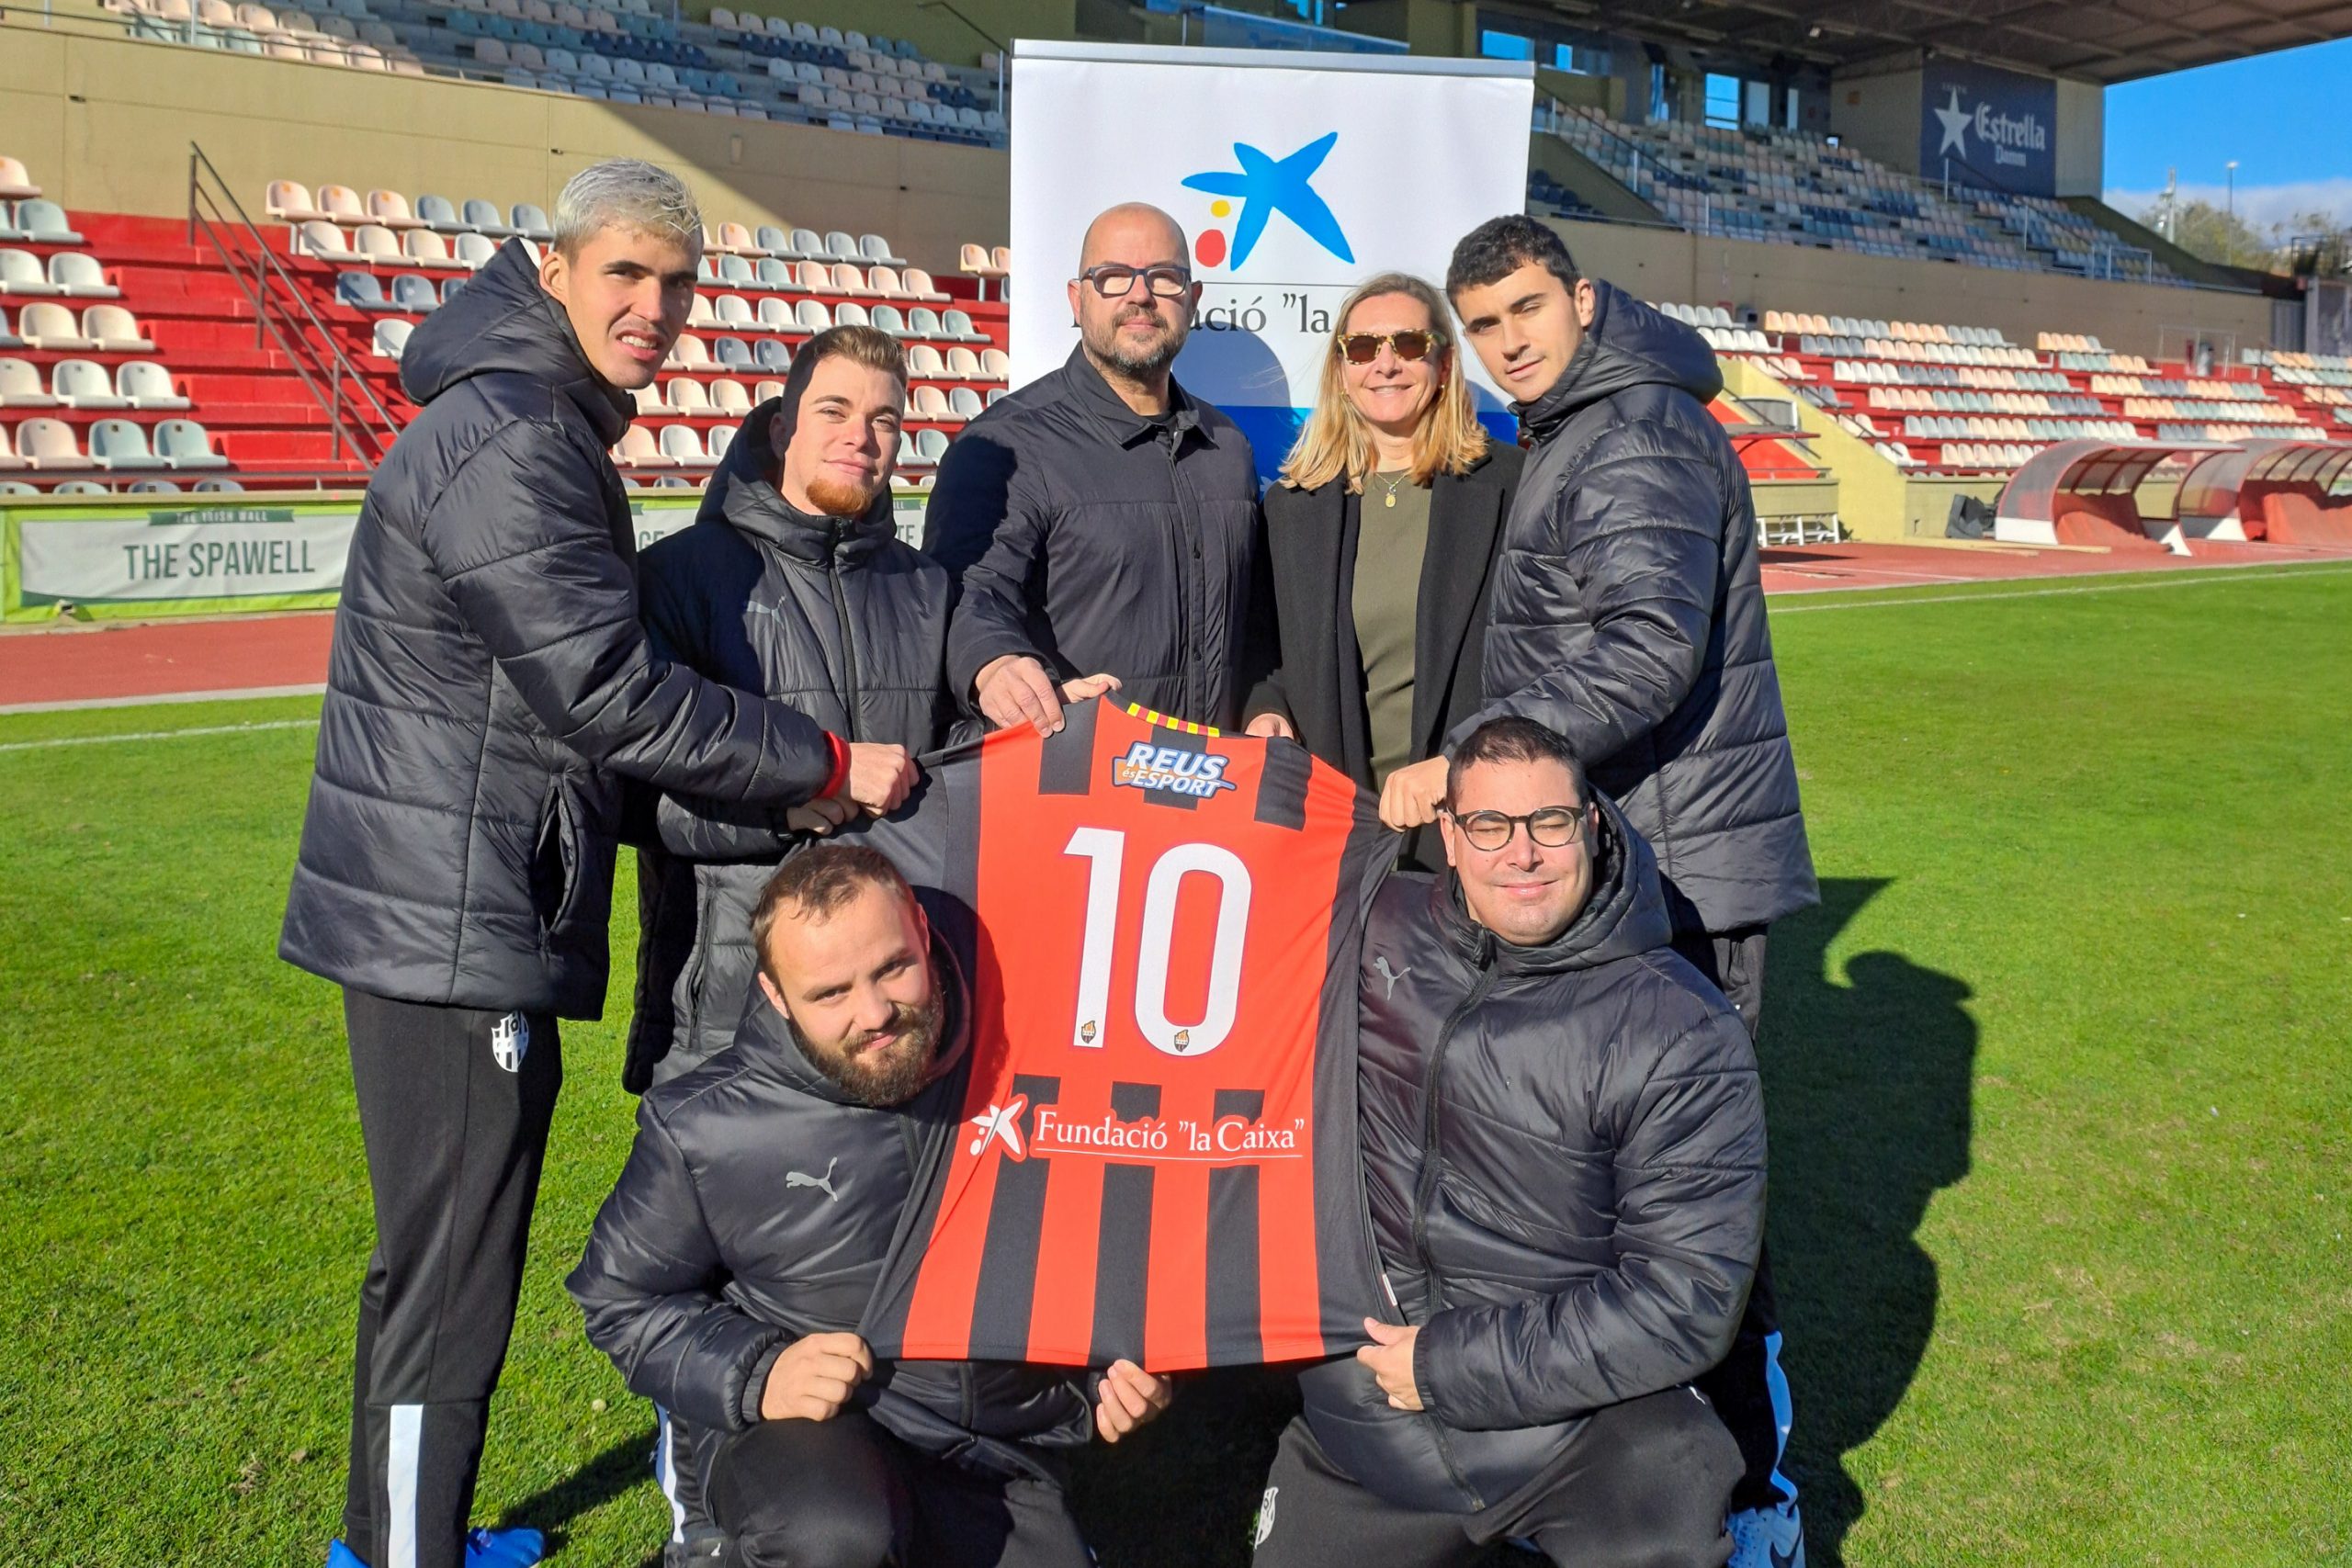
pixel 1564 1153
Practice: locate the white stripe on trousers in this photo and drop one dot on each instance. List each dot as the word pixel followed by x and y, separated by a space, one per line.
pixel 399 1485
pixel 665 1471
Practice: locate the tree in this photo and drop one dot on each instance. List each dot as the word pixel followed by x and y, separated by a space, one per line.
pixel 2316 244
pixel 2204 229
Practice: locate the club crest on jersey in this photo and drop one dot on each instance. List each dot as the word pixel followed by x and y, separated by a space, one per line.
pixel 1170 771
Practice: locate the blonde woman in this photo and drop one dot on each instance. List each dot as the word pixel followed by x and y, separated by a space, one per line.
pixel 1382 529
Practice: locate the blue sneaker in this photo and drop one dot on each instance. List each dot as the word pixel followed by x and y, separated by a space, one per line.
pixel 504 1548
pixel 1767 1538
pixel 341 1556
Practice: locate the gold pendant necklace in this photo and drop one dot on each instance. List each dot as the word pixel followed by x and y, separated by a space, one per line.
pixel 1390 499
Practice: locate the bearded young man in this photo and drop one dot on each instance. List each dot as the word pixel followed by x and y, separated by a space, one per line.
pixel 1101 518
pixel 791 582
pixel 727 1272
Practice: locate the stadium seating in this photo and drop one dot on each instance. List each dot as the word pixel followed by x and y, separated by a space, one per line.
pixel 1784 187
pixel 733 65
pixel 1934 396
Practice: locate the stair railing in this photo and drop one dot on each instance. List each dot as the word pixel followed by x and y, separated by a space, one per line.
pixel 283 317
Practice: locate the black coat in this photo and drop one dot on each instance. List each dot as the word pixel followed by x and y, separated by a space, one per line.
pixel 755 1209
pixel 1627 613
pixel 1317 683
pixel 1564 1153
pixel 488 669
pixel 1084 540
pixel 838 619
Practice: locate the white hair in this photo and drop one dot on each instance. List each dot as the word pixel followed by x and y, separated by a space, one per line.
pixel 626 193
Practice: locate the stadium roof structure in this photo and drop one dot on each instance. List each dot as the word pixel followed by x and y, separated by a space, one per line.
pixel 2097 41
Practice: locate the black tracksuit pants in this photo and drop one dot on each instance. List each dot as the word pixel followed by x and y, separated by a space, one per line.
pixel 1749 1388
pixel 1640 1485
pixel 847 1493
pixel 454 1106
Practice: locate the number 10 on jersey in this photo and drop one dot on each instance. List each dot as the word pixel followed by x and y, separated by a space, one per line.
pixel 1106 852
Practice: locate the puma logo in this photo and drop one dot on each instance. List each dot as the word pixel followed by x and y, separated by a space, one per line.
pixel 793 1179
pixel 1391 976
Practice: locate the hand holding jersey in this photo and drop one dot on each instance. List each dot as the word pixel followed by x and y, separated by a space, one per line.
pixel 813 1377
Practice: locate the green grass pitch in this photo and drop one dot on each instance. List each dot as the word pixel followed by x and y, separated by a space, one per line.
pixel 2060 1076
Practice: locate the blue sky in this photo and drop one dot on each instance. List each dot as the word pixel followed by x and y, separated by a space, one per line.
pixel 2280 116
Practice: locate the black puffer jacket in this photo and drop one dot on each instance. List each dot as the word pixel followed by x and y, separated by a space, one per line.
pixel 488 666
pixel 1086 538
pixel 838 619
pixel 755 1209
pixel 1563 1152
pixel 1627 615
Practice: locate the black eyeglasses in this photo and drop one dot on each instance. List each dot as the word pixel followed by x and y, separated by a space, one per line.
pixel 1362 348
pixel 1112 281
pixel 1552 827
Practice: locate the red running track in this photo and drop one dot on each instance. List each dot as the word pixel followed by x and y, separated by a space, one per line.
pixel 76 665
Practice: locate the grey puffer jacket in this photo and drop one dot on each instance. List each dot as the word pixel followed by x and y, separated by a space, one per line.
pixel 489 681
pixel 837 619
pixel 1095 540
pixel 1563 1155
pixel 756 1208
pixel 1627 613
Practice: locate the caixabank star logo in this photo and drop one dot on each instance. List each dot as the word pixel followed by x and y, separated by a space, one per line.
pixel 1264 185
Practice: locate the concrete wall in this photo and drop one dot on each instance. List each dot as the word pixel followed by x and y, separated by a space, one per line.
pixel 1688 269
pixel 1876 112
pixel 2082 137
pixel 105 123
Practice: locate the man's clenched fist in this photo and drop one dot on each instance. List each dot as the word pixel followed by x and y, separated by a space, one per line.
pixel 813 1378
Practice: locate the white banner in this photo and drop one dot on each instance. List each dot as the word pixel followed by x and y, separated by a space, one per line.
pixel 228 552
pixel 1295 176
pixel 114 554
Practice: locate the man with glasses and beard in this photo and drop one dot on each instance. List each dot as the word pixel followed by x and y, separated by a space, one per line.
pixel 1102 519
pixel 1563 1143
pixel 726 1271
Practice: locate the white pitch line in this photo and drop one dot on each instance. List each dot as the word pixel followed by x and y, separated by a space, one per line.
pixel 56 741
pixel 229 694
pixel 2205 574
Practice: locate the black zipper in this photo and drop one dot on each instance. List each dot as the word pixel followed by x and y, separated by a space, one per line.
pixel 1425 1188
pixel 1187 585
pixel 849 633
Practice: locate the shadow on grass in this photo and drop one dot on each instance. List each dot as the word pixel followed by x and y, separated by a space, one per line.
pixel 1867 1083
pixel 593 1485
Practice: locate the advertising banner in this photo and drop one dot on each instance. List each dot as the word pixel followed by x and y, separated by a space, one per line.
pixel 1294 176
pixel 1980 126
pixel 111 558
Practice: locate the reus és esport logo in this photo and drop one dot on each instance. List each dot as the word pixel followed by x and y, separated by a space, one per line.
pixel 1171 770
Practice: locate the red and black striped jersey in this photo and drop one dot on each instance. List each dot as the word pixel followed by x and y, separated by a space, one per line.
pixel 1158 1157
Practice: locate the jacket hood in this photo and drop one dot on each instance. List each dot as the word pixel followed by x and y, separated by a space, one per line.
pixel 502 322
pixel 742 493
pixel 766 1038
pixel 1624 916
pixel 1628 345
